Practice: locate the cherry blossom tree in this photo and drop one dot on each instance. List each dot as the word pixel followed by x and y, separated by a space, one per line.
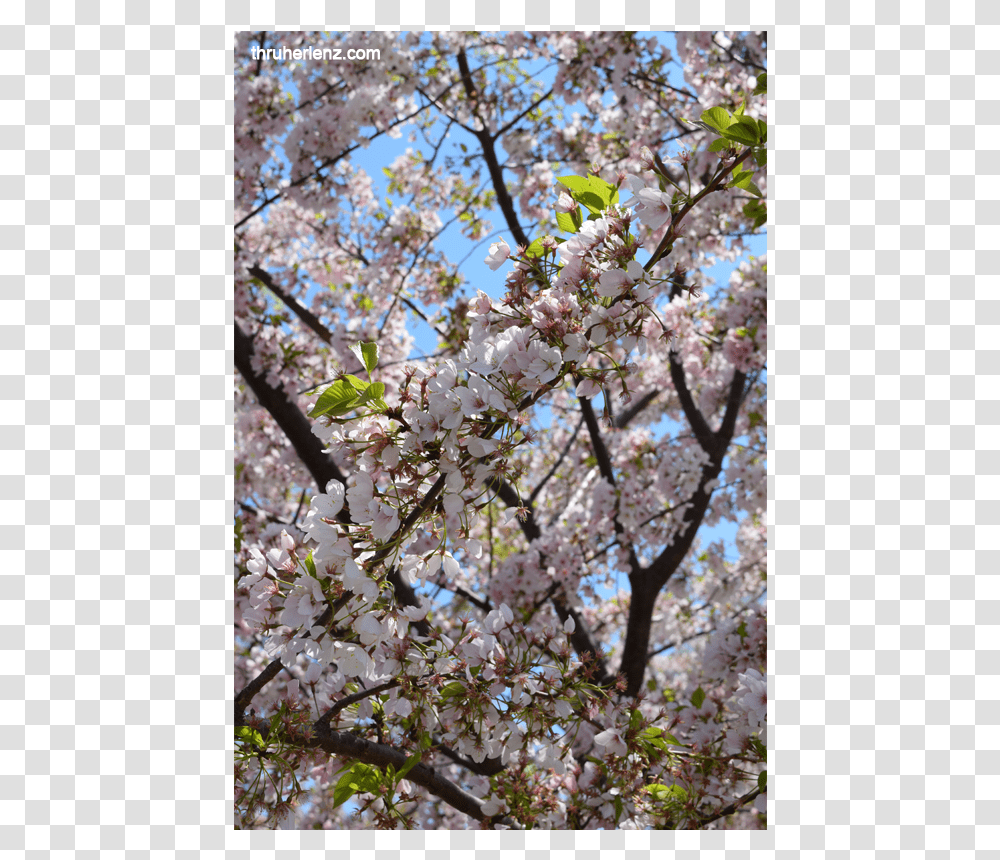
pixel 473 588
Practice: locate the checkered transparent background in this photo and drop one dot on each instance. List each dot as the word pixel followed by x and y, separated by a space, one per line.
pixel 116 471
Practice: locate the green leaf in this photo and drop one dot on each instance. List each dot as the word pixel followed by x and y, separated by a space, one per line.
pixel 575 184
pixel 356 384
pixel 375 391
pixel 762 780
pixel 535 249
pixel 310 564
pixel 719 144
pixel 368 353
pixel 337 399
pixel 752 125
pixel 411 763
pixel 454 688
pixel 250 736
pixel 740 178
pixel 666 792
pixel 566 222
pixel 718 118
pixel 697 697
pixel 757 212
pixel 742 134
pixel 593 192
pixel 360 778
pixel 761 88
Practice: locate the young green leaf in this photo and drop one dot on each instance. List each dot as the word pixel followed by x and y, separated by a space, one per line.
pixel 337 399
pixel 250 736
pixel 367 354
pixel 593 192
pixel 717 118
pixel 373 395
pixel 411 763
pixel 666 792
pixel 742 134
pixel 451 689
pixel 359 779
pixel 566 222
pixel 535 249
pixel 698 697
pixel 356 384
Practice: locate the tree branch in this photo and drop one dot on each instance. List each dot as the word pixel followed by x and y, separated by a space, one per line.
pixel 287 415
pixel 552 471
pixel 504 200
pixel 604 464
pixel 303 313
pixel 702 432
pixel 622 419
pixel 583 640
pixel 355 748
pixel 308 447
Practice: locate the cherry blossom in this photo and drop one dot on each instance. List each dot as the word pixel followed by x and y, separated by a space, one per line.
pixel 499 251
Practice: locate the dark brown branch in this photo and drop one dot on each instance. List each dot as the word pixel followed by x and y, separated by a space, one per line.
pixel 600 450
pixel 666 243
pixel 583 640
pixel 702 432
pixel 488 767
pixel 347 701
pixel 504 200
pixel 558 462
pixel 287 415
pixel 622 420
pixel 327 162
pixel 730 809
pixel 270 672
pixel 645 589
pixel 500 131
pixel 604 464
pixel 309 449
pixel 355 748
pixel 245 696
pixel 303 313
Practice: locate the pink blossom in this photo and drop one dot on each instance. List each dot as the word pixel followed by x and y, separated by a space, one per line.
pixel 612 741
pixel 499 251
